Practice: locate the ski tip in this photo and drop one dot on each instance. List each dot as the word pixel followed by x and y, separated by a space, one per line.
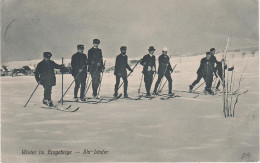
pixel 76 109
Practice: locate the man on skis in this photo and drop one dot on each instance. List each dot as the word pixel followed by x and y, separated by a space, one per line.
pixel 149 68
pixel 120 70
pixel 165 69
pixel 199 75
pixel 44 75
pixel 79 72
pixel 95 62
pixel 206 70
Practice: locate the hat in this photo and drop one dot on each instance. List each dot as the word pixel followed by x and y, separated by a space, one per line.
pixel 151 48
pixel 212 49
pixel 165 49
pixel 208 53
pixel 47 54
pixel 96 41
pixel 123 48
pixel 80 46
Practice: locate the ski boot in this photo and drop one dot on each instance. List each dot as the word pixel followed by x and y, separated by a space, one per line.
pixel 50 103
pixel 155 93
pixel 171 94
pixel 148 95
pixel 210 92
pixel 126 95
pixel 115 95
pixel 76 99
pixel 191 87
pixel 83 99
pixel 206 91
pixel 45 102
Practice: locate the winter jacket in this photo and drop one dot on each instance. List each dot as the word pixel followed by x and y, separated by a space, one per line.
pixel 121 65
pixel 206 67
pixel 163 61
pixel 44 72
pixel 212 60
pixel 94 58
pixel 78 61
pixel 146 61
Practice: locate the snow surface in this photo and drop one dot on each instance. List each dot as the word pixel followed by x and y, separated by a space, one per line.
pixel 180 129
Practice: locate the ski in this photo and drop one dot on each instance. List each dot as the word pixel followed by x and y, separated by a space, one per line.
pixel 169 97
pixel 87 101
pixel 66 109
pixel 131 98
pixel 111 99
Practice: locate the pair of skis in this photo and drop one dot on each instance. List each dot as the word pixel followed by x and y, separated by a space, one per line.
pixel 61 108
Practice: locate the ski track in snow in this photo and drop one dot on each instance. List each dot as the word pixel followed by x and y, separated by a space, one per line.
pixel 177 129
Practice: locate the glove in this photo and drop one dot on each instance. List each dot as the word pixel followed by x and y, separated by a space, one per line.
pixel 149 68
pixel 231 68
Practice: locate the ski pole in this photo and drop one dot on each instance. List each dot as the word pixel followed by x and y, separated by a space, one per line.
pixel 62 82
pixel 166 80
pixel 71 84
pixel 129 73
pixel 31 95
pixel 101 78
pixel 140 84
pixel 88 77
pixel 201 85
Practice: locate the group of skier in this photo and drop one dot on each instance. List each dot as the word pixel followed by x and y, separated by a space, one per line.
pixel 209 66
pixel 93 63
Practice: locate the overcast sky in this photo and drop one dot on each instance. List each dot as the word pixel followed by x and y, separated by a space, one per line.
pixel 30 27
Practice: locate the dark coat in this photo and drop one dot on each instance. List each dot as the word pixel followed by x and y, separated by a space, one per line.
pixel 206 67
pixel 212 60
pixel 146 61
pixel 44 72
pixel 95 57
pixel 78 61
pixel 163 61
pixel 121 65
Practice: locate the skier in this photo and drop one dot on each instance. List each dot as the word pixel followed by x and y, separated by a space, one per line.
pixel 120 70
pixel 79 72
pixel 149 68
pixel 220 73
pixel 165 69
pixel 95 62
pixel 206 70
pixel 199 74
pixel 44 75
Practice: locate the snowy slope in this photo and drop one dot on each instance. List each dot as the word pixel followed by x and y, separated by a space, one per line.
pixel 180 129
